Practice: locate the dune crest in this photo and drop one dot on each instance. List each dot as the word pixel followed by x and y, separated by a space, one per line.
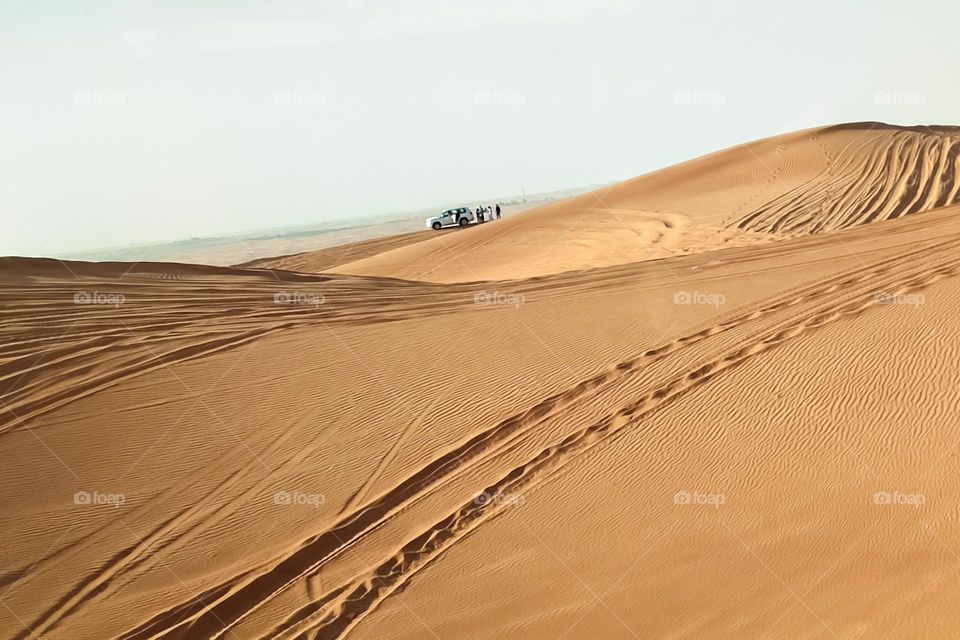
pixel 806 182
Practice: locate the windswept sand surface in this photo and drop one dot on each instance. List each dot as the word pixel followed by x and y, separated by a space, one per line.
pixel 744 433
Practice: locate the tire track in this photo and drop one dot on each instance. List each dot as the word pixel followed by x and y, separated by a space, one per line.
pixel 211 619
pixel 912 173
pixel 337 613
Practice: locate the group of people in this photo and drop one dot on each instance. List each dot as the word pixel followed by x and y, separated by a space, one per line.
pixel 482 212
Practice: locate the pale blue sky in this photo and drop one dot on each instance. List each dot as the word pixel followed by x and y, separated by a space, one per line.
pixel 131 121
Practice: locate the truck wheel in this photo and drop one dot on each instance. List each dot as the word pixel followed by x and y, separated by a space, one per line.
pixel 463 222
pixel 436 226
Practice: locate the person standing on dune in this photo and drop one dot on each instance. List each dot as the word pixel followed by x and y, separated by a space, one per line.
pixel 498 211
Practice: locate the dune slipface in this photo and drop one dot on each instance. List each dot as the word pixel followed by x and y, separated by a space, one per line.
pixel 715 401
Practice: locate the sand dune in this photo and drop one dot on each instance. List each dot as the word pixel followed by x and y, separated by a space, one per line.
pixel 734 415
pixel 807 182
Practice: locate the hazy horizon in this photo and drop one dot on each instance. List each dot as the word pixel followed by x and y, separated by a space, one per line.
pixel 148 123
pixel 122 251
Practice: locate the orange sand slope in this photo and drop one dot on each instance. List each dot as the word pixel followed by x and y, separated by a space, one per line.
pixel 807 182
pixel 755 441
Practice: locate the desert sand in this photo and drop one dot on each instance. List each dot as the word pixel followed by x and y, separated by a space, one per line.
pixel 715 401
